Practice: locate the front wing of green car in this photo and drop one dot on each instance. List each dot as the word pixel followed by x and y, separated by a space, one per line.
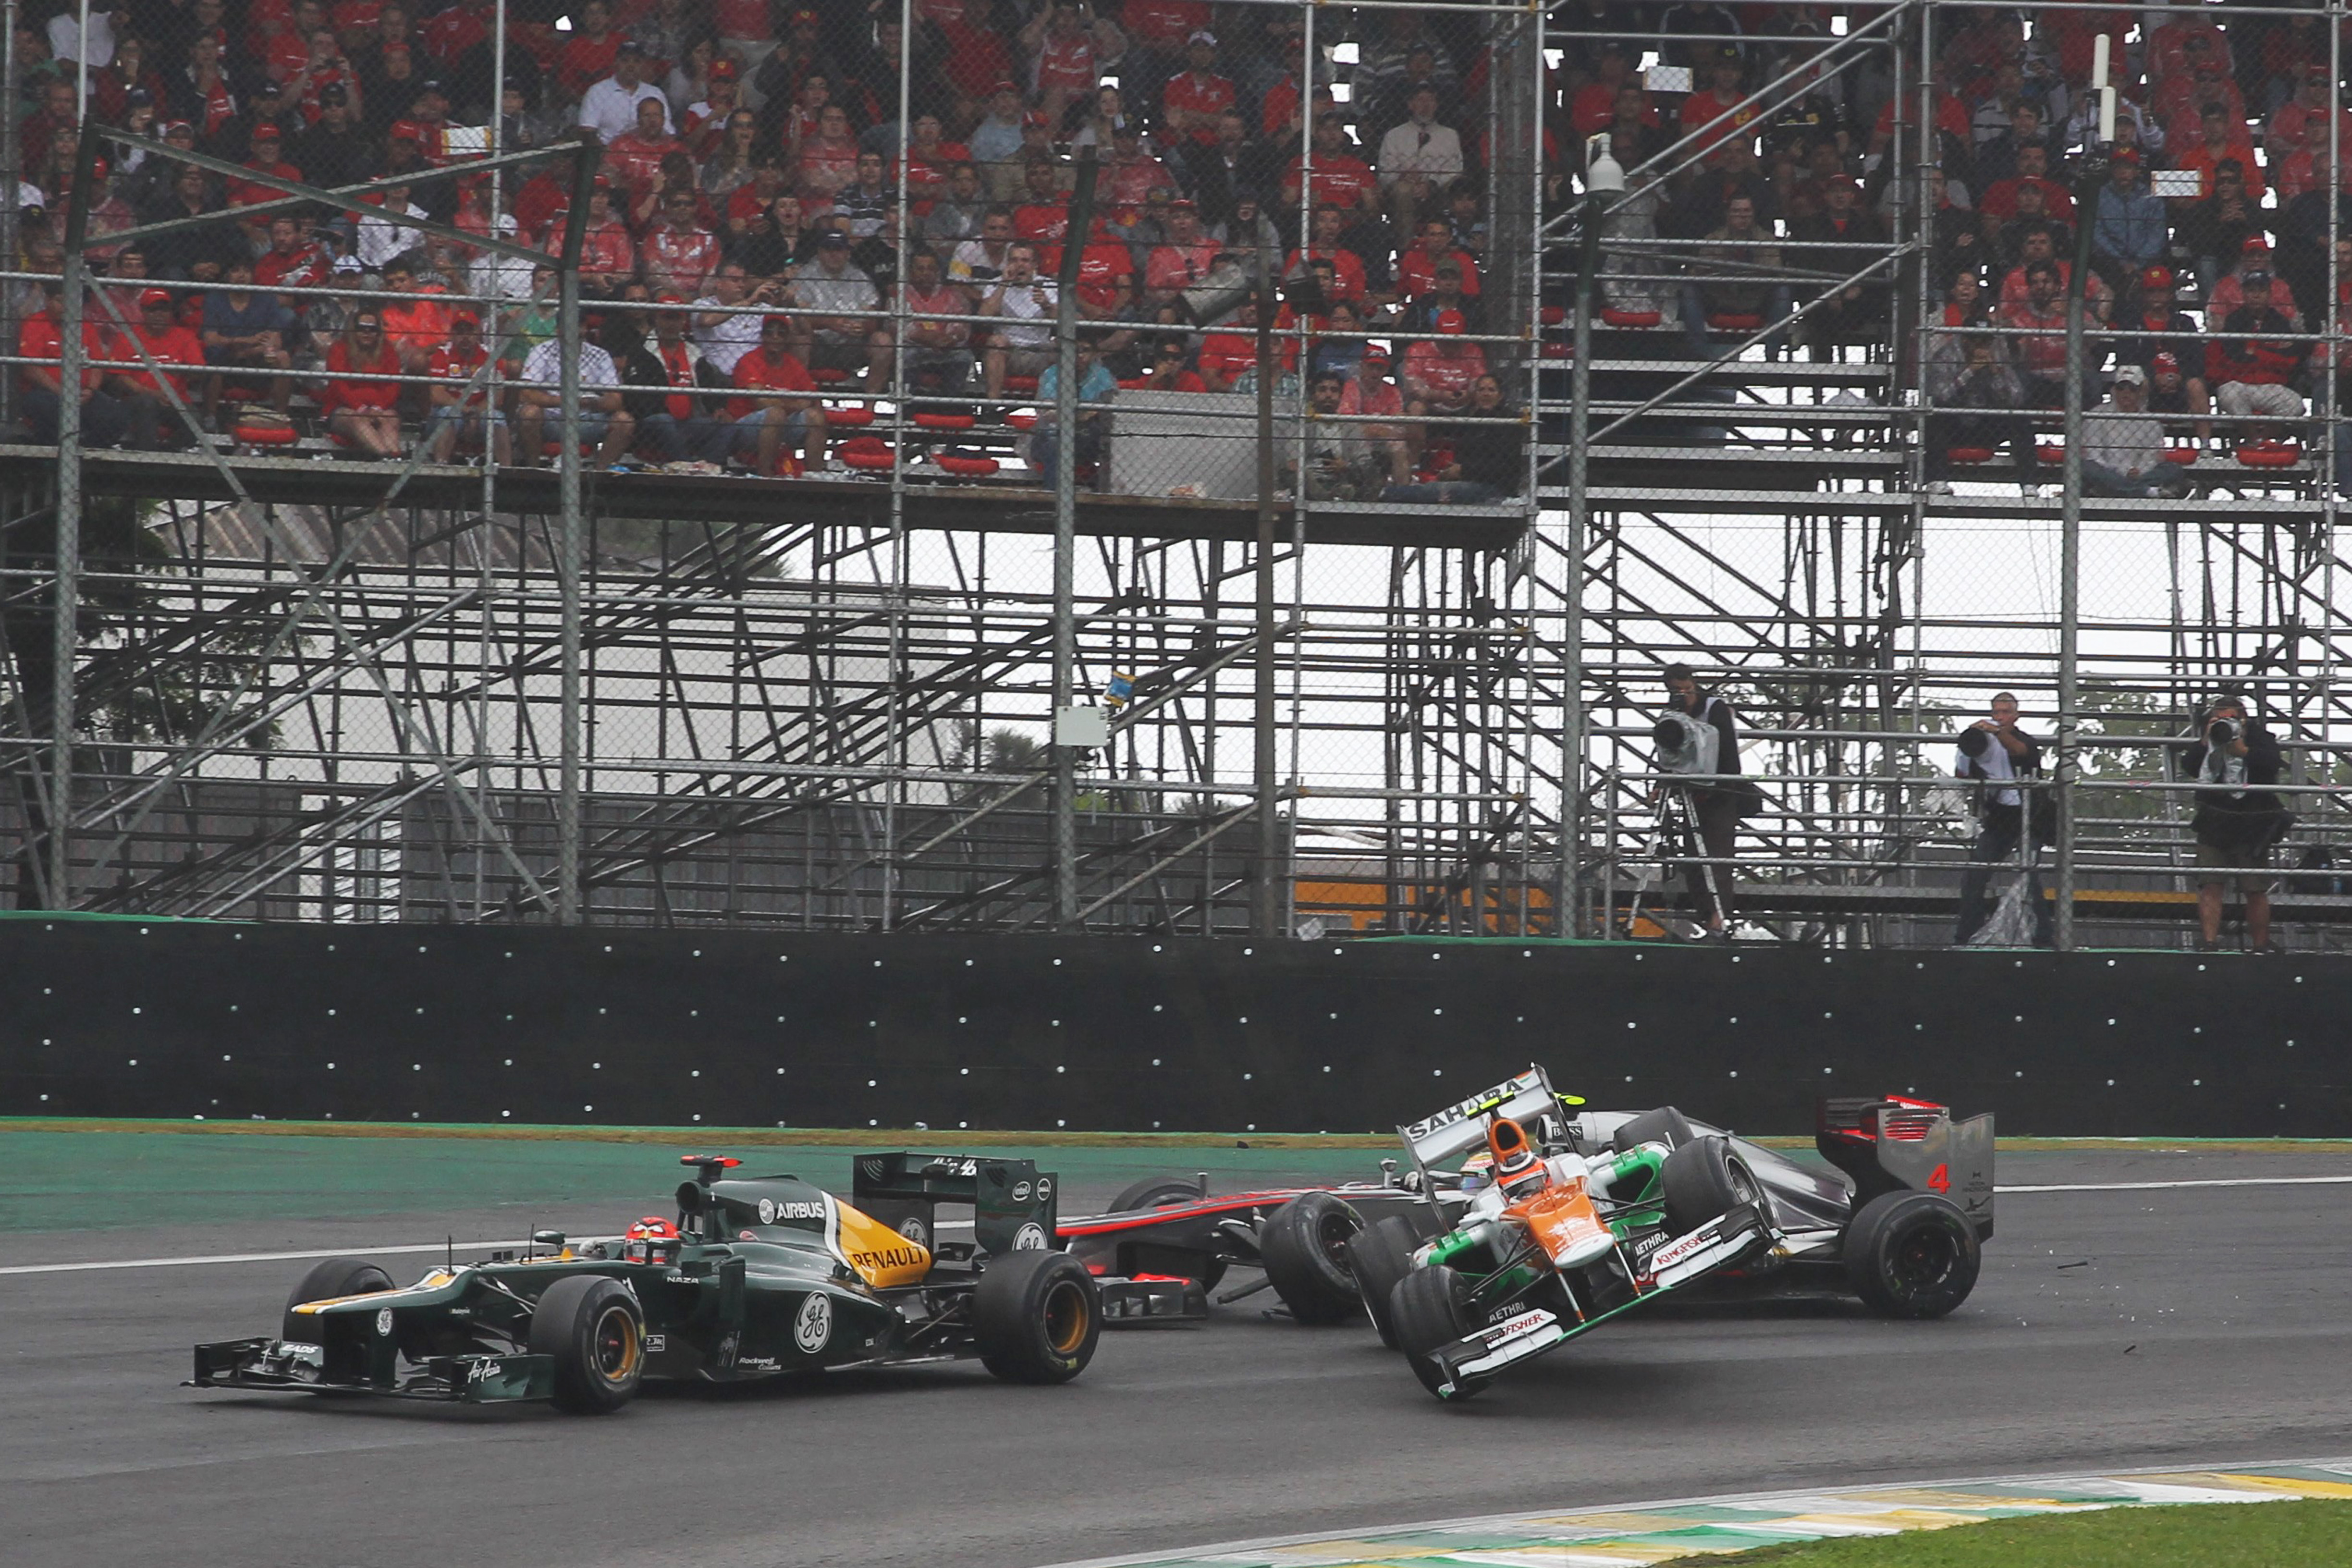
pixel 293 1366
pixel 1528 1331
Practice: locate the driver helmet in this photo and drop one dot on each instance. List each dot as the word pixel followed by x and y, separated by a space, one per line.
pixel 1477 1170
pixel 1516 1164
pixel 651 1241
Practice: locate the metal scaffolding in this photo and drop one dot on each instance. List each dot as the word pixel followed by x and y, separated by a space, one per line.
pixel 249 686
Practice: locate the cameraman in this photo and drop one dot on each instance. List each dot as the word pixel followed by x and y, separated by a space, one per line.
pixel 1995 753
pixel 1715 808
pixel 2237 823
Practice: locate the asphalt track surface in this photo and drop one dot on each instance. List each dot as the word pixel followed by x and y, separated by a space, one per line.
pixel 2185 1325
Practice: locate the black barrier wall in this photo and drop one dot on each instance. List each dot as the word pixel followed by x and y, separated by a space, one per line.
pixel 746 1028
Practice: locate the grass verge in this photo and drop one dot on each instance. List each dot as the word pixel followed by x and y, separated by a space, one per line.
pixel 2296 1533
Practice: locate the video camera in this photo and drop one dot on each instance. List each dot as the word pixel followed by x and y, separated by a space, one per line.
pixel 2223 733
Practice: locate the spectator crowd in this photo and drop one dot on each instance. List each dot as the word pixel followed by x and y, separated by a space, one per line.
pixel 784 190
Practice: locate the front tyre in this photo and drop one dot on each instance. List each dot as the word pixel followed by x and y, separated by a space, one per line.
pixel 328 1281
pixel 1036 1317
pixel 1704 1179
pixel 1304 1249
pixel 1430 1310
pixel 1912 1255
pixel 1379 1256
pixel 596 1331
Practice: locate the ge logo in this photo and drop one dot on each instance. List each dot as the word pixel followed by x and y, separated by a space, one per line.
pixel 1045 1188
pixel 1030 1238
pixel 913 1228
pixel 813 1326
pixel 767 1211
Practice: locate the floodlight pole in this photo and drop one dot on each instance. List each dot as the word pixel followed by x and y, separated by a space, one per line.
pixel 1065 540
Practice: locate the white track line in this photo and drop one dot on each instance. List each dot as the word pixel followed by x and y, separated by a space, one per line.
pixel 358 1250
pixel 2207 1181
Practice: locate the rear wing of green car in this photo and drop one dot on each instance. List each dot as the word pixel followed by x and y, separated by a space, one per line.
pixel 1014 1205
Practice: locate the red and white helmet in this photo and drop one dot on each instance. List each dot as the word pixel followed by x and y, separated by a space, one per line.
pixel 652 1239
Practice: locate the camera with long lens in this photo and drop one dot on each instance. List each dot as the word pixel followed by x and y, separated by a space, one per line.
pixel 2223 733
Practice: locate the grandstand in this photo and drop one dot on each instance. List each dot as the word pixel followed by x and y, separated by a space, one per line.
pixel 589 462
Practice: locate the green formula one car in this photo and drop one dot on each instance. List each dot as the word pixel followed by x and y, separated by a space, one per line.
pixel 1564 1230
pixel 757 1277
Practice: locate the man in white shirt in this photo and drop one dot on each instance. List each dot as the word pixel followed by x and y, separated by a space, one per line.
pixel 380 239
pixel 609 108
pixel 723 330
pixel 1025 346
pixel 2123 445
pixel 847 332
pixel 540 409
pixel 502 277
pixel 982 260
pixel 1417 161
pixel 65 33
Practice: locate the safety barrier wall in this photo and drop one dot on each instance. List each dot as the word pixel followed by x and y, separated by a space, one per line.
pixel 742 1028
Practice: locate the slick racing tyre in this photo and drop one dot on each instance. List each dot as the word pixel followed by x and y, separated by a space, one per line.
pixel 596 1332
pixel 1036 1316
pixel 1912 1255
pixel 326 1281
pixel 1379 1256
pixel 1664 1125
pixel 1304 1247
pixel 1155 1193
pixel 1430 1310
pixel 1704 1179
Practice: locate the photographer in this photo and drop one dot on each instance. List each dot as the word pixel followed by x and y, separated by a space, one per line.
pixel 2235 822
pixel 1995 753
pixel 1695 715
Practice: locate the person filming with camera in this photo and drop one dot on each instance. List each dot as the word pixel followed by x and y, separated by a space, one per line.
pixel 2237 820
pixel 1699 734
pixel 1994 753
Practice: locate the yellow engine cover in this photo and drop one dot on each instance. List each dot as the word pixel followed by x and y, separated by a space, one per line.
pixel 881 1255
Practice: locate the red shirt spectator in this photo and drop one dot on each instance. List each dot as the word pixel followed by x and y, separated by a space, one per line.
pixel 2000 198
pixel 975 57
pixel 1174 267
pixel 1718 115
pixel 676 258
pixel 1443 370
pixel 264 161
pixel 1225 355
pixel 765 372
pixel 453 31
pixel 355 382
pixel 1042 221
pixel 41 338
pixel 1417 271
pixel 1193 99
pixel 1340 178
pixel 459 362
pixel 1105 269
pixel 1163 24
pixel 1347 269
pixel 586 58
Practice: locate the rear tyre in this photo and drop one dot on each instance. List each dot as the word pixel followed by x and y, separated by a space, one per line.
pixel 1430 1309
pixel 1912 1255
pixel 1036 1317
pixel 596 1331
pixel 325 1281
pixel 1664 1125
pixel 1379 1256
pixel 1704 1179
pixel 1155 1193
pixel 1304 1249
